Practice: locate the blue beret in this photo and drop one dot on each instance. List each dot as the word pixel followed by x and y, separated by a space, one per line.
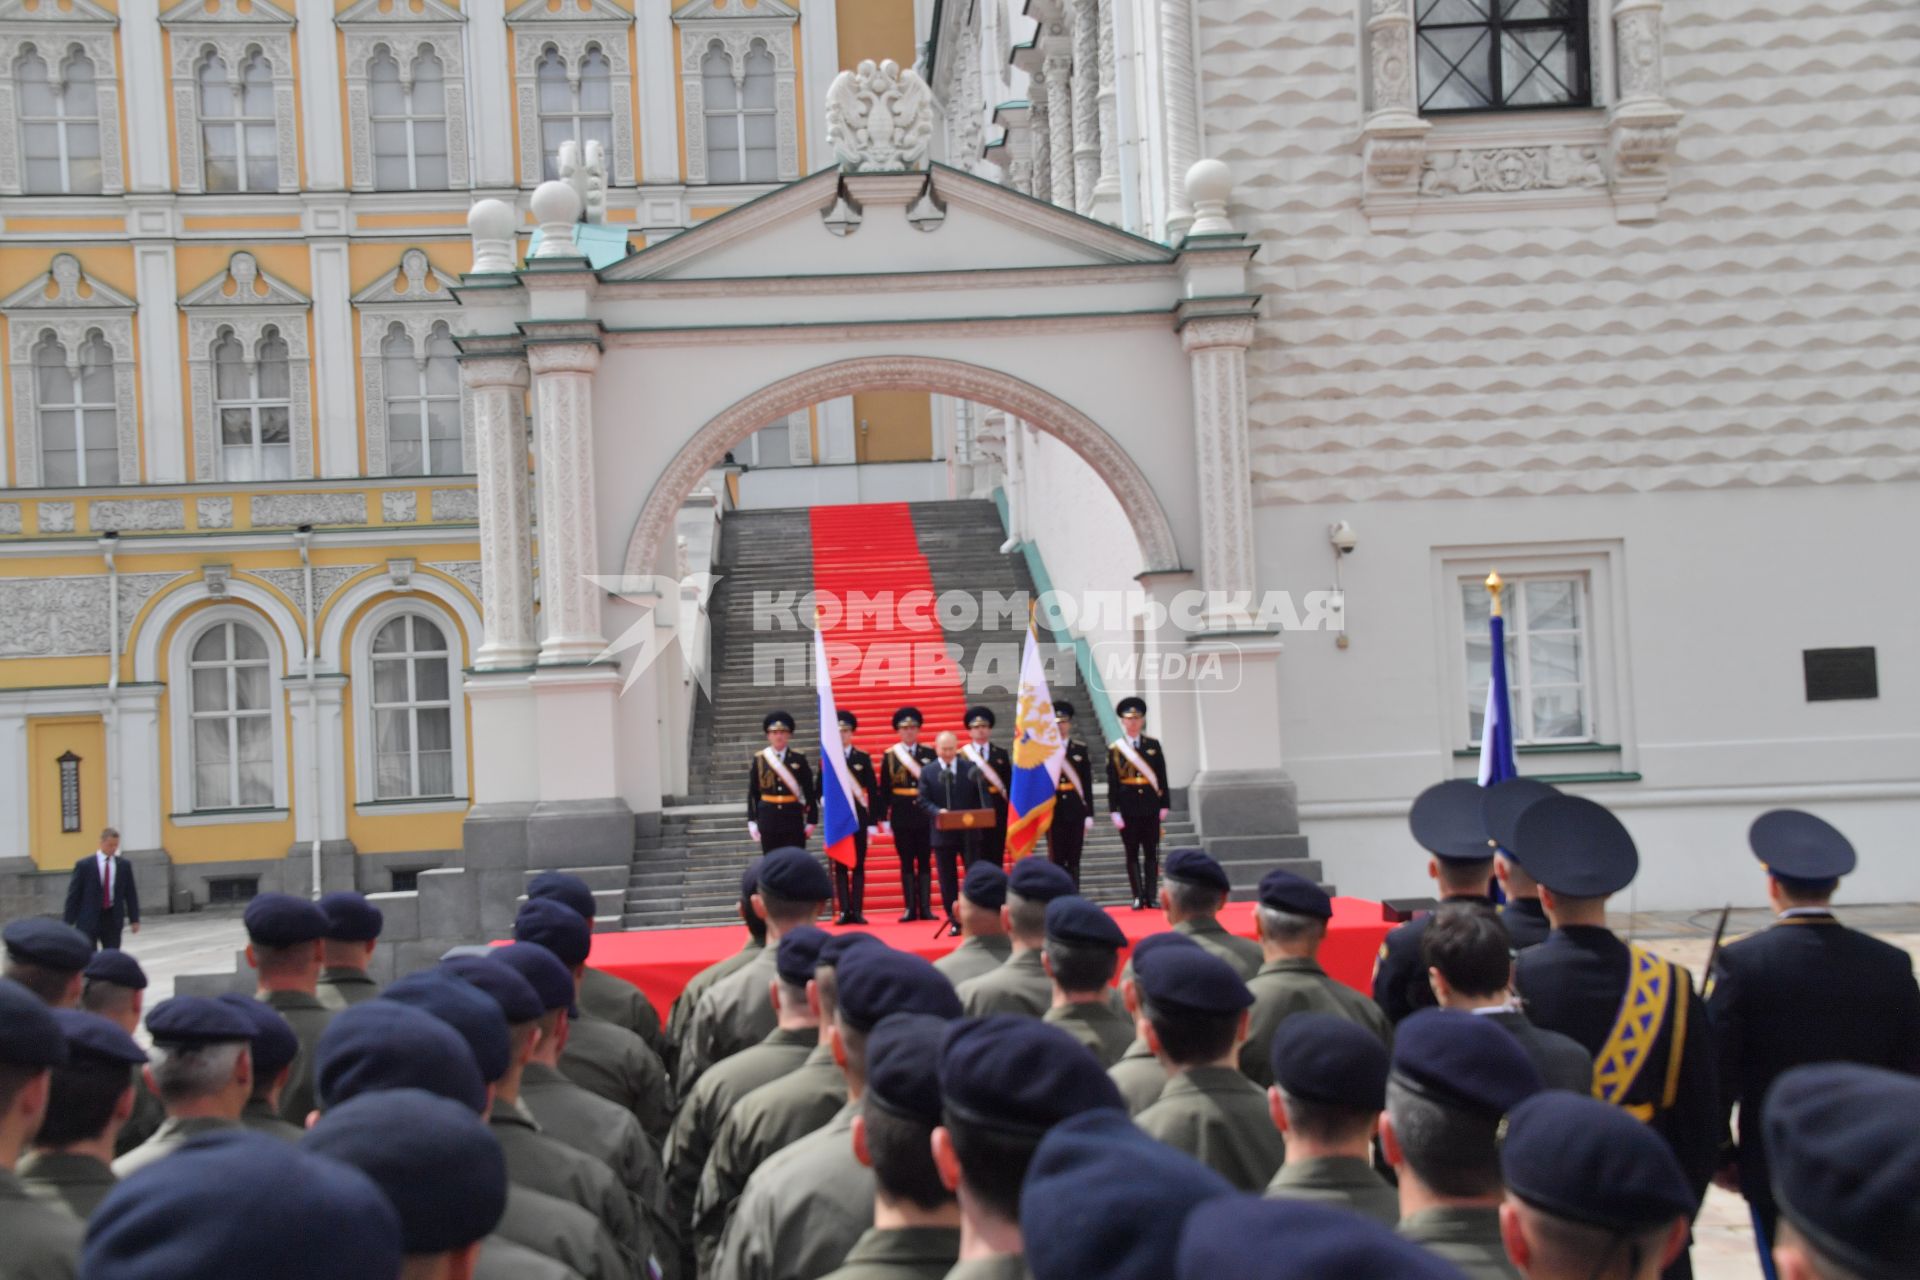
pixel 239 1203
pixel 1195 867
pixel 562 887
pixel 1103 1201
pixel 907 715
pixel 1502 804
pixel 283 920
pixel 838 945
pixel 799 953
pixel 979 715
pixel 1177 980
pixel 1039 880
pixel 437 1162
pixel 273 1044
pixel 474 1015
pixel 1254 1239
pixel 500 983
pixel 750 879
pixel 197 1020
pixel 550 980
pixel 1155 941
pixel 1575 847
pixel 1459 1060
pixel 903 1065
pixel 1446 822
pixel 1800 846
pixel 1020 1074
pixel 877 981
pixel 117 968
pixel 985 885
pixel 1318 1057
pixel 383 1044
pixel 92 1038
pixel 555 926
pixel 1073 919
pixel 1585 1160
pixel 1282 890
pixel 350 917
pixel 796 875
pixel 1125 705
pixel 1846 1169
pixel 777 719
pixel 29 1034
pixel 48 943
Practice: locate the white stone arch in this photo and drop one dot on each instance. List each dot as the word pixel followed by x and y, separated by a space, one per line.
pixel 1159 553
pixel 448 597
pixel 152 629
pixel 443 609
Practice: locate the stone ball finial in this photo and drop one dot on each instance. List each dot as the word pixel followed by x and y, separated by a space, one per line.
pixel 490 223
pixel 1209 186
pixel 556 207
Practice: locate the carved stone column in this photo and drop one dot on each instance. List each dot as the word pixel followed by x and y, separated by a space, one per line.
pixel 1393 139
pixel 1180 112
pixel 1040 130
pixel 496 388
pixel 1106 188
pixel 1217 346
pixel 1642 127
pixel 1086 102
pixel 569 601
pixel 1059 73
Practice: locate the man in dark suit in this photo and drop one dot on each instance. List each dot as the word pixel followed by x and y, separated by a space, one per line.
pixel 1469 957
pixel 949 783
pixel 101 894
pixel 1806 989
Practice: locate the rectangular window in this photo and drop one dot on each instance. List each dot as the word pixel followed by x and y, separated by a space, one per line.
pixel 229 890
pixel 1501 55
pixel 1549 663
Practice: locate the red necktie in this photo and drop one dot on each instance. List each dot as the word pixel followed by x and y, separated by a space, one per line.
pixel 106 883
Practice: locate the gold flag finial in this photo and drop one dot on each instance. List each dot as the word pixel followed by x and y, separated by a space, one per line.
pixel 1494 586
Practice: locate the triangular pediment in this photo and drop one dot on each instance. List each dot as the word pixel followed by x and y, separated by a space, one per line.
pixel 733 11
pixel 413 283
pixel 75 12
pixel 65 286
pixel 196 13
pixel 540 11
pixel 985 227
pixel 383 13
pixel 244 284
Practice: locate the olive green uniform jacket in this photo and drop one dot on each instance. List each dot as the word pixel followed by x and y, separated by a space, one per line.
pixel 170 1136
pixel 1140 1077
pixel 546 1165
pixel 562 1232
pixel 906 1253
pixel 1220 1118
pixel 261 1118
pixel 1347 1181
pixel 338 988
pixel 308 1018
pixel 802 1211
pixel 42 1241
pixel 734 1014
pixel 616 1064
pixel 604 1130
pixel 1468 1238
pixel 1002 1266
pixel 148 1115
pixel 615 1000
pixel 502 1259
pixel 974 956
pixel 79 1183
pixel 1297 984
pixel 1020 985
pixel 1097 1026
pixel 689 998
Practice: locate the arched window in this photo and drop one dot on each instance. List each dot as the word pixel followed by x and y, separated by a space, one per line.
pixel 423 403
pixel 411 704
pixel 742 143
pixel 576 104
pixel 74 398
pixel 253 400
pixel 59 125
pixel 409 118
pixel 237 124
pixel 231 690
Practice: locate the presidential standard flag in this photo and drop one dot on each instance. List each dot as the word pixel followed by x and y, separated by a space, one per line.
pixel 1496 727
pixel 1039 753
pixel 838 815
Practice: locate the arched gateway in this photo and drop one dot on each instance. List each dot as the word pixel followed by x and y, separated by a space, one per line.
pixel 645 372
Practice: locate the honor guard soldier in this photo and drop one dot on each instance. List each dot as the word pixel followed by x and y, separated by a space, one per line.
pixel 1286 1240
pixel 1807 989
pixel 902 817
pixel 1072 799
pixel 1138 800
pixel 1082 952
pixel 1635 1012
pixel 1292 913
pixel 850 886
pixel 985 943
pixel 782 803
pixel 1846 1169
pixel 353 929
pixel 1329 1087
pixel 995 768
pixel 89 1097
pixel 1500 807
pixel 1446 821
pixel 283 944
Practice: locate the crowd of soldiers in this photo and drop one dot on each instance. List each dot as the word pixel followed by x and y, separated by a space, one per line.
pixel 1526 1094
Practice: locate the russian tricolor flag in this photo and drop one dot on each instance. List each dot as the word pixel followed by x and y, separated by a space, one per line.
pixel 838 815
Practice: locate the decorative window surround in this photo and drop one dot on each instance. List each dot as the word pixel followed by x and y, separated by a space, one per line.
pixel 366 790
pixel 228 34
pixel 403 31
pixel 1478 170
pixel 180 711
pixel 571 31
pixel 247 301
pixel 53 32
pixel 71 305
pixel 414 296
pixel 701 25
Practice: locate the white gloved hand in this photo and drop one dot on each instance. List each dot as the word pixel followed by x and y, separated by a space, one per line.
pixel 1088 826
pixel 1119 823
pixel 873 831
pixel 1163 815
pixel 808 829
pixel 753 829
pixel 886 828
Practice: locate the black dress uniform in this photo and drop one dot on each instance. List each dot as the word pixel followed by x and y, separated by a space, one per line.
pixel 850 885
pixel 1072 799
pixel 1446 821
pixel 781 817
pixel 1807 989
pixel 1500 807
pixel 910 825
pixel 991 845
pixel 1138 800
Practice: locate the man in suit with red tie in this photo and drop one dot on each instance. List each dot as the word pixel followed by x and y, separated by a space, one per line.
pixel 101 894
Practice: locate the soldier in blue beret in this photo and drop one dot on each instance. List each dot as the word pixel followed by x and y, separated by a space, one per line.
pixel 984 941
pixel 1470 964
pixel 1196 888
pixel 202 1068
pixel 48 958
pixel 346 950
pixel 40 1240
pixel 1806 989
pixel 1252 1239
pixel 242 1204
pixel 284 944
pixel 1592 1194
pixel 1193 1015
pixel 1020 985
pixel 916 1220
pixel 1845 1158
pixel 1446 821
pixel 1138 798
pixel 115 968
pixel 1454 1078
pixel 1329 1086
pixel 116 989
pixel 1081 954
pixel 1291 917
pixel 689 997
pixel 1500 808
pixel 1103 1201
pixel 783 800
pixel 1138 1074
pixel 89 1097
pixel 602 994
pixel 272 1049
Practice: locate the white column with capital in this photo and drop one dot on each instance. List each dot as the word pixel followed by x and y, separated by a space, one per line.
pixel 1059 73
pixel 1216 349
pixel 1086 102
pixel 496 388
pixel 563 409
pixel 1106 188
pixel 1180 110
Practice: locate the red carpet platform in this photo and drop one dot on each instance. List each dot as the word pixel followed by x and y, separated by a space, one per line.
pixel 660 961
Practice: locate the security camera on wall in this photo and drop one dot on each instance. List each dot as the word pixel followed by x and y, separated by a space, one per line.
pixel 1343 538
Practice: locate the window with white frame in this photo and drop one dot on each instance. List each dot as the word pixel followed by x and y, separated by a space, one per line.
pixel 575 103
pixel 407 110
pixel 237 127
pixel 77 411
pixel 253 401
pixel 741 115
pixel 411 704
pixel 231 688
pixel 1549 657
pixel 58 106
pixel 423 403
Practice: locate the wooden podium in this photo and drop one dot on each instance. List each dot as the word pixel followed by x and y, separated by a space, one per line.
pixel 966 819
